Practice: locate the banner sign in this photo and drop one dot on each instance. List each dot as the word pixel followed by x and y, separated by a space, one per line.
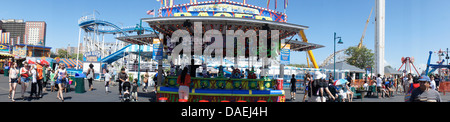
pixel 20 52
pixel 93 56
pixel 285 55
pixel 157 50
pixel 223 9
pixel 4 48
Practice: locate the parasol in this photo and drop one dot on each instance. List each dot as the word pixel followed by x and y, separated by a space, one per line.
pixel 340 82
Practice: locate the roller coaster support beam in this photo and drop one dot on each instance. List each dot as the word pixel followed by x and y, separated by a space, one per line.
pixel 310 53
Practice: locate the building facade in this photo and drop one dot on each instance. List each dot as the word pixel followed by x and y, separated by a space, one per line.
pixel 16 29
pixel 35 32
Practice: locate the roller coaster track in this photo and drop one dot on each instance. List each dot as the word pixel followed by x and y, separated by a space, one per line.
pixel 89 26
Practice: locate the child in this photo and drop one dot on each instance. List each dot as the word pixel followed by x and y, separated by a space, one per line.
pixel 107 81
pixel 134 90
pixel 52 80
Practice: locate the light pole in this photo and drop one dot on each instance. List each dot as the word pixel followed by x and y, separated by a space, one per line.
pixel 334 54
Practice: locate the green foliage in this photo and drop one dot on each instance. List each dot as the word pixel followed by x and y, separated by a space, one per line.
pixel 299 65
pixel 360 58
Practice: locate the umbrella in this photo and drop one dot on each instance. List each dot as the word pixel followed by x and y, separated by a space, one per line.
pixel 44 62
pixel 340 82
pixel 30 62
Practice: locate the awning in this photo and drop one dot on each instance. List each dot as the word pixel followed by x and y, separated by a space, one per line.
pixel 71 63
pixel 5 54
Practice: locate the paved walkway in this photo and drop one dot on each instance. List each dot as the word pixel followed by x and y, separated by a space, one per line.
pixel 96 95
pixel 99 95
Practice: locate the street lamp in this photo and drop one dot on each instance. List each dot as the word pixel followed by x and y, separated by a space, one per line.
pixel 334 54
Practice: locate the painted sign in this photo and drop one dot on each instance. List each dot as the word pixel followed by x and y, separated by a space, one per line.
pixel 285 55
pixel 20 52
pixel 4 48
pixel 93 56
pixel 157 50
pixel 223 9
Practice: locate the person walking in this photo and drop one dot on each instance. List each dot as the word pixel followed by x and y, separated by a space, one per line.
pixel 424 93
pixel 184 80
pixel 33 81
pixel 293 87
pixel 107 81
pixel 123 77
pixel 134 90
pixel 145 83
pixel 307 80
pixel 24 74
pixel 39 77
pixel 61 74
pixel 90 76
pixel 13 80
pixel 379 85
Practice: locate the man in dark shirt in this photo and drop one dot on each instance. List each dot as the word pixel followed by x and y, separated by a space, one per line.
pixel 424 93
pixel 123 77
pixel 293 87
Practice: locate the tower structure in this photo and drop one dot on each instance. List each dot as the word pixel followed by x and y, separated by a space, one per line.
pixel 379 36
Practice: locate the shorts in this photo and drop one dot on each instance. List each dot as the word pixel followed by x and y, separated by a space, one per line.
pixel 378 89
pixel 25 79
pixel 293 89
pixel 14 80
pixel 58 81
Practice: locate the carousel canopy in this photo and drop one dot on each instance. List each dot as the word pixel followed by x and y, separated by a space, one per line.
pixel 145 39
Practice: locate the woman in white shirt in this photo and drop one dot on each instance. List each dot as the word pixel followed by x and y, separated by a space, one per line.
pixel 61 74
pixel 13 72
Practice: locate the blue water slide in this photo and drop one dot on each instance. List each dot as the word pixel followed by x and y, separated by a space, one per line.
pixel 116 55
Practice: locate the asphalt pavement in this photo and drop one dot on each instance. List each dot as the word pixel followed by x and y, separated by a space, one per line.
pixel 99 94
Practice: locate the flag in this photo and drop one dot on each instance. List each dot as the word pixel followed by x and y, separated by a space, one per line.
pixel 286 2
pixel 162 2
pixel 171 3
pixel 165 2
pixel 276 4
pixel 268 3
pixel 151 12
pixel 245 1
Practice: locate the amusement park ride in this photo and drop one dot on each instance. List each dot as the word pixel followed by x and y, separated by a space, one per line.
pixel 440 66
pixel 409 61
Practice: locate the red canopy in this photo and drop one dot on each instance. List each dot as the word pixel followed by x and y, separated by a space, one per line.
pixel 31 62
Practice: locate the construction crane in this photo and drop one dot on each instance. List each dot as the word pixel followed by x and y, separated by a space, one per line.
pixel 365 28
pixel 329 59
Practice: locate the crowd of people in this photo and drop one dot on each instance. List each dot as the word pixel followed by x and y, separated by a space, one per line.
pixel 37 75
pixel 318 87
pixel 416 89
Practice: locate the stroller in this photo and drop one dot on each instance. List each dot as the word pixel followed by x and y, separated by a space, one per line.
pixel 126 97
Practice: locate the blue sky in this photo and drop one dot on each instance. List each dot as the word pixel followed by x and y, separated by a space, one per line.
pixel 413 27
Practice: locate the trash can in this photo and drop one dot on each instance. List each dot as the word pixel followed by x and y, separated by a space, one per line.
pixel 79 82
pixel 6 72
pixel 279 83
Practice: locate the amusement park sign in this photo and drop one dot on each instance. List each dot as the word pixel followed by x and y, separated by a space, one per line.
pixel 223 9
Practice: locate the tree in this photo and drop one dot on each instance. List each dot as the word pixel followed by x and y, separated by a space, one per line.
pixel 360 57
pixel 298 65
pixel 62 53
